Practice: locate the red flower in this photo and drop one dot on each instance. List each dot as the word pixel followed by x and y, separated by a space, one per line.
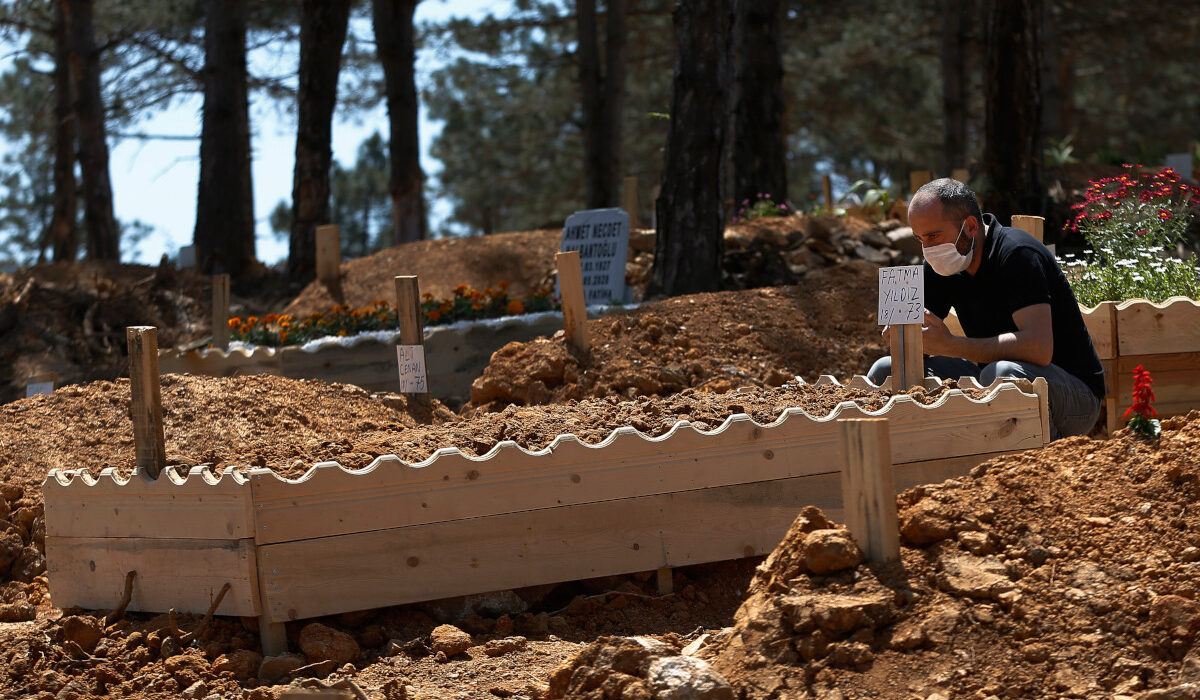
pixel 1143 395
pixel 1164 214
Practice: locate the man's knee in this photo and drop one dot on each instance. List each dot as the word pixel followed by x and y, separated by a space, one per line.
pixel 1003 368
pixel 881 370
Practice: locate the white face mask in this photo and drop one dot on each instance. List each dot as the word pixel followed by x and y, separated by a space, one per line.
pixel 945 258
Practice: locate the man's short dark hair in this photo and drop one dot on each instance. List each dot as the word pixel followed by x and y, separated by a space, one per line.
pixel 958 200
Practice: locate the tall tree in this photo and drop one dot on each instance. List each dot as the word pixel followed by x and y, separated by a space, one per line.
pixel 602 97
pixel 1012 154
pixel 224 234
pixel 103 236
pixel 956 18
pixel 63 230
pixel 396 45
pixel 322 32
pixel 760 139
pixel 691 217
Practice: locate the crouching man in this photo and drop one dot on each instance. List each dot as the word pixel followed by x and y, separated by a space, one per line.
pixel 1015 306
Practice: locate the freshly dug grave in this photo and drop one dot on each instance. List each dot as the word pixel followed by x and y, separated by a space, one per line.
pixel 287 425
pixel 711 342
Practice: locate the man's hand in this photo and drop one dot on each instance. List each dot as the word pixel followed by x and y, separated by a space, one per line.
pixel 935 336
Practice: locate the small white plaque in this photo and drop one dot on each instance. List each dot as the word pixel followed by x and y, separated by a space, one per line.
pixel 602 238
pixel 411 361
pixel 35 388
pixel 901 295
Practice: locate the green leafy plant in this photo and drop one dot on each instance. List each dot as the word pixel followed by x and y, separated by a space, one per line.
pixel 762 206
pixel 1132 223
pixel 1058 152
pixel 866 199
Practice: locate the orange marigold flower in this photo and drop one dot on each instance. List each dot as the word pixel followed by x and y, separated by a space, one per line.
pixel 460 289
pixel 342 333
pixel 434 315
pixel 503 284
pixel 234 322
pixel 427 296
pixel 244 329
pixel 477 306
pixel 283 336
pixel 252 321
pixel 269 319
pixel 285 324
pixel 286 318
pixel 380 303
pixel 515 307
pixel 340 308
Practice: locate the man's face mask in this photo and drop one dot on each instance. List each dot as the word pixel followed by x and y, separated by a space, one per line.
pixel 945 258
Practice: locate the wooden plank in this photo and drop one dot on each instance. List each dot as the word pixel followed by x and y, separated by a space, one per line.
pixel 1147 328
pixel 368 363
pixel 917 178
pixel 868 488
pixel 146 398
pixel 908 360
pixel 184 574
pixel 629 199
pixel 451 486
pixel 217 363
pixel 827 193
pixel 1102 326
pixel 953 324
pixel 961 174
pixel 408 313
pixel 1176 382
pixel 329 256
pixel 570 284
pixel 220 311
pixel 196 506
pixel 309 578
pixel 1033 225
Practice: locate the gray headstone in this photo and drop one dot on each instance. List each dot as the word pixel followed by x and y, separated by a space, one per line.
pixel 602 238
pixel 1182 163
pixel 187 257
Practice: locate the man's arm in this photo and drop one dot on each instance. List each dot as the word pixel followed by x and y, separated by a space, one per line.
pixel 1032 342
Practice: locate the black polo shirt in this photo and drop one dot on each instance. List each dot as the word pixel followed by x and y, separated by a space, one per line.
pixel 1017 271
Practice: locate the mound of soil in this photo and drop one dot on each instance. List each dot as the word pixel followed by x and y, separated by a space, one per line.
pixel 711 342
pixel 1064 572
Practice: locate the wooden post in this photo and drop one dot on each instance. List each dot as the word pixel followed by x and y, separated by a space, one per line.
pixel 570 285
pixel 220 311
pixel 408 313
pixel 1032 225
pixel 629 200
pixel 917 178
pixel 273 636
pixel 827 193
pixel 665 580
pixel 146 395
pixel 329 255
pixel 908 358
pixel 961 174
pixel 868 487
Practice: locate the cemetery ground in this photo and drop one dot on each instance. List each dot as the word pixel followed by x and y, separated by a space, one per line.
pixel 1069 571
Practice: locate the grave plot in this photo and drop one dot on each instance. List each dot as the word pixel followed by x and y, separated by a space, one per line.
pixel 336 540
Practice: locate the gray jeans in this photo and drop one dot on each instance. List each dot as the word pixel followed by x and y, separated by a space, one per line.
pixel 1073 407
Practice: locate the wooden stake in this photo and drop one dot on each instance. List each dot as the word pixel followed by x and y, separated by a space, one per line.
pixel 961 174
pixel 273 636
pixel 827 193
pixel 908 359
pixel 412 332
pixel 146 394
pixel 917 178
pixel 1033 225
pixel 868 487
pixel 665 580
pixel 629 200
pixel 329 255
pixel 220 311
pixel 570 285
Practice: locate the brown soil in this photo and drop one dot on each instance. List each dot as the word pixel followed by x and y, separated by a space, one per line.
pixel 712 342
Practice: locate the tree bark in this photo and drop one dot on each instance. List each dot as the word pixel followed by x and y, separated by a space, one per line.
pixel 224 234
pixel 64 233
pixel 955 20
pixel 103 236
pixel 759 148
pixel 323 26
pixel 690 206
pixel 1012 156
pixel 394 40
pixel 602 98
pixel 614 98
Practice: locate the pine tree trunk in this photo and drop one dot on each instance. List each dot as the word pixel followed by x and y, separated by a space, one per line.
pixel 64 233
pixel 322 32
pixel 103 237
pixel 690 207
pixel 224 234
pixel 394 40
pixel 759 147
pixel 614 98
pixel 956 17
pixel 1012 155
pixel 602 99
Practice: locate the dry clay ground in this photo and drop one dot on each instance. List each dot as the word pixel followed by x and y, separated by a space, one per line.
pixel 1064 572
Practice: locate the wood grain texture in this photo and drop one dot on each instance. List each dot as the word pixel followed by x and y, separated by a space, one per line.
pixel 146 398
pixel 184 574
pixel 868 488
pixel 1146 328
pixel 329 575
pixel 220 311
pixel 908 359
pixel 570 284
pixel 450 485
pixel 198 505
pixel 1033 225
pixel 329 255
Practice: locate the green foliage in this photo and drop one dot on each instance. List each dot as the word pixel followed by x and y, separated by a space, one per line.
pixel 1132 222
pixel 1059 152
pixel 764 205
pixel 865 199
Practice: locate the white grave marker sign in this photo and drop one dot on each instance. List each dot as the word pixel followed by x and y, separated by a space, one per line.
pixel 35 388
pixel 602 238
pixel 901 295
pixel 411 361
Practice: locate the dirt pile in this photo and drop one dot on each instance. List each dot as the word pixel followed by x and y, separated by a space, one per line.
pixel 1064 572
pixel 711 342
